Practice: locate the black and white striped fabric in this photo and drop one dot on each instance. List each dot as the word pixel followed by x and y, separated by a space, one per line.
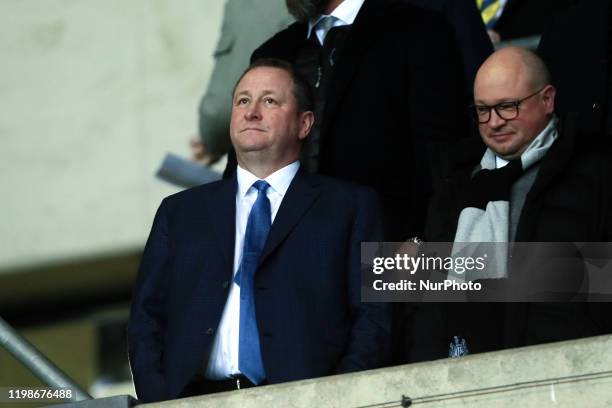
pixel 486 205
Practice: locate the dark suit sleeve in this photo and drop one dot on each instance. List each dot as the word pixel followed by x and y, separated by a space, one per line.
pixel 147 322
pixel 370 335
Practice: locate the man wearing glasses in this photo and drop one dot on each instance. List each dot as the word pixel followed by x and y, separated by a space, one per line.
pixel 529 182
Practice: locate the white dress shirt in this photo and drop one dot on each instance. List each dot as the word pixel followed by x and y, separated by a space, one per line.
pixel 344 14
pixel 223 362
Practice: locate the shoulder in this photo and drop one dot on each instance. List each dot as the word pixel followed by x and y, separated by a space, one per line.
pixel 200 195
pixel 282 44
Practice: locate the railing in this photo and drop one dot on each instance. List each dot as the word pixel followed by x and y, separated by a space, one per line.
pixel 36 362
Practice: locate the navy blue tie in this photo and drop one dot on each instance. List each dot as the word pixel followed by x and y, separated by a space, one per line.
pixel 257 229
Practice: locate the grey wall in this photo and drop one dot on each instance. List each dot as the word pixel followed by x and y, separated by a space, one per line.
pixel 561 375
pixel 92 95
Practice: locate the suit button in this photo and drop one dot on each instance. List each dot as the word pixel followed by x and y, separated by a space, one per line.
pixel 225 284
pixel 595 106
pixel 210 331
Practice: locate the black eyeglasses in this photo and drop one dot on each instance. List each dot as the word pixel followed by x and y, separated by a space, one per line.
pixel 506 110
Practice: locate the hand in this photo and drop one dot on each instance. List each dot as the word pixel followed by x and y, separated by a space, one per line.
pixel 200 154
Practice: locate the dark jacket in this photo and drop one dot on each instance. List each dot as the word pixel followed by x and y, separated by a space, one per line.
pixel 310 318
pixel 570 201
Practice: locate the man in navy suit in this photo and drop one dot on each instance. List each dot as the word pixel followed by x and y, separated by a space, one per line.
pixel 256 279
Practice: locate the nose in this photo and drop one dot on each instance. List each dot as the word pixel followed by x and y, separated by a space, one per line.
pixel 496 121
pixel 253 112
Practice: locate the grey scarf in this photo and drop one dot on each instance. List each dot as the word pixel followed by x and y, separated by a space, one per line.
pixel 485 216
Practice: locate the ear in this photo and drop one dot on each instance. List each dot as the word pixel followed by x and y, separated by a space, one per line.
pixel 548 98
pixel 306 121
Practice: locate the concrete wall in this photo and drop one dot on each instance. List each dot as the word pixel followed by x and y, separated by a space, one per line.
pixel 92 95
pixel 568 374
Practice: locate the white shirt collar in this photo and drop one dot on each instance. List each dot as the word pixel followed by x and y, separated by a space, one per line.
pixel 279 181
pixel 499 162
pixel 345 14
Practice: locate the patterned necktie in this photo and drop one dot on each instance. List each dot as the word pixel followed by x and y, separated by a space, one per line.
pixel 488 11
pixel 258 226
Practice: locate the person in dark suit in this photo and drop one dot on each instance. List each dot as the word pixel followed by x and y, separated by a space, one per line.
pixel 390 94
pixel 256 279
pixel 527 182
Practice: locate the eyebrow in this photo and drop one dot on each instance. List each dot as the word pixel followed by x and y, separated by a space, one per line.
pixel 264 93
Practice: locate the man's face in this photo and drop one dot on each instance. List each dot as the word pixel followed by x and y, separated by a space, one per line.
pixel 303 10
pixel 265 115
pixel 510 138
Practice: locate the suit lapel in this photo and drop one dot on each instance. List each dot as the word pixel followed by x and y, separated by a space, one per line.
pixel 362 33
pixel 300 196
pixel 223 208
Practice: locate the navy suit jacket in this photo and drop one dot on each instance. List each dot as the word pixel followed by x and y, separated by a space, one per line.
pixel 307 287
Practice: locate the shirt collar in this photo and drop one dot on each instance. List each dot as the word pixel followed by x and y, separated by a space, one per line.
pixel 346 13
pixel 499 162
pixel 279 181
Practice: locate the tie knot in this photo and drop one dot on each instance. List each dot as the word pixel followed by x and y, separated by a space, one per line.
pixel 261 186
pixel 324 24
